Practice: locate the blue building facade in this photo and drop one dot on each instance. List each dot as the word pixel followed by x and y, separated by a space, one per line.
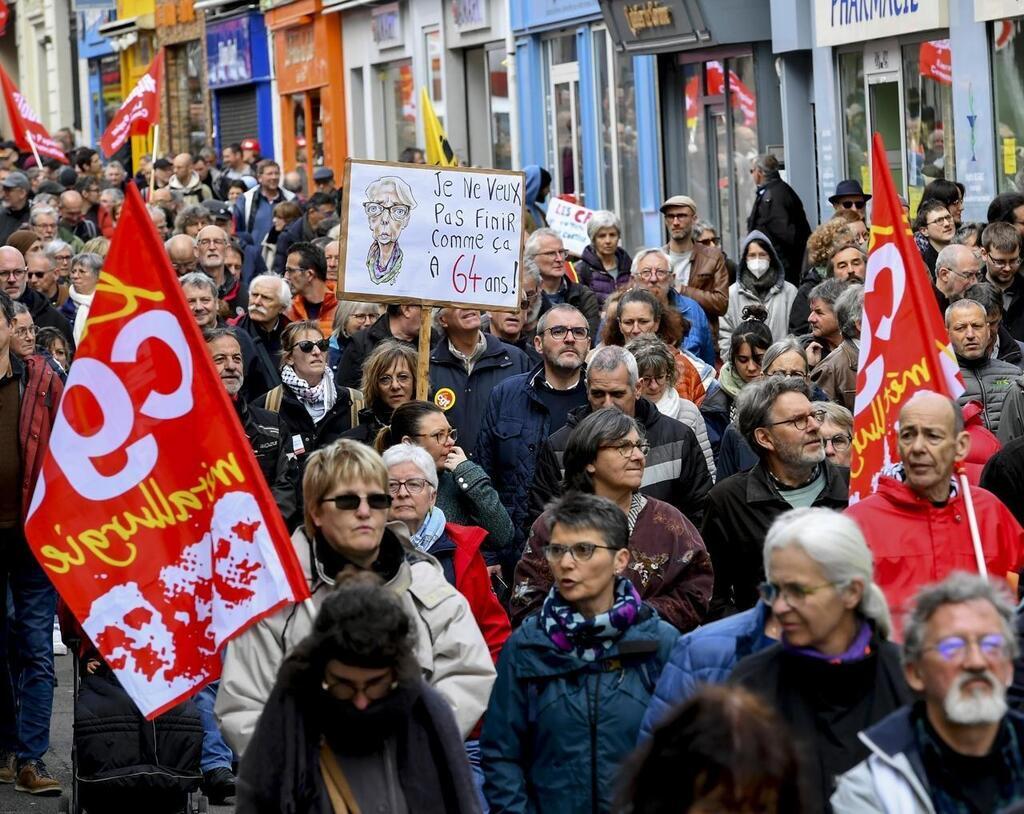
pixel 101 69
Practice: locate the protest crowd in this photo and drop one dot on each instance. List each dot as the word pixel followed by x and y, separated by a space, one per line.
pixel 610 563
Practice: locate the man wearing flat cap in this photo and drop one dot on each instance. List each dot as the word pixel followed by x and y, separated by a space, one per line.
pixel 323 181
pixel 699 270
pixel 15 191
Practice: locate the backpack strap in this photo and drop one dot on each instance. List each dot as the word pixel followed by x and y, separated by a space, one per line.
pixel 357 404
pixel 273 400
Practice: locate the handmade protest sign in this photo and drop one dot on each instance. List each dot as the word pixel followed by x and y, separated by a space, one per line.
pixel 432 235
pixel 570 221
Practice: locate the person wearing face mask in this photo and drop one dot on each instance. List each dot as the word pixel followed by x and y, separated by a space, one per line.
pixel 760 281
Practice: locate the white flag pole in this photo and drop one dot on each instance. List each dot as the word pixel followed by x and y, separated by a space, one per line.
pixel 35 152
pixel 972 521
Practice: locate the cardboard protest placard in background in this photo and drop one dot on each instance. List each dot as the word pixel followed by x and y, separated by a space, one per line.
pixel 570 221
pixel 432 235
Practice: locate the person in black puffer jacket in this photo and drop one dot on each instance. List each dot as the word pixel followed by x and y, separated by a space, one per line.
pixel 604 265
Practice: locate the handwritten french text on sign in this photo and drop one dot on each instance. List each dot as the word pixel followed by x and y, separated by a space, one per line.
pixel 151 519
pixel 570 221
pixel 433 234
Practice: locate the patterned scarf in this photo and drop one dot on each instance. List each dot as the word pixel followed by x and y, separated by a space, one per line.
pixel 317 400
pixel 430 531
pixel 589 639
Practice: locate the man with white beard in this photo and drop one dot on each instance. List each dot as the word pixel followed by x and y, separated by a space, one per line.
pixel 958 749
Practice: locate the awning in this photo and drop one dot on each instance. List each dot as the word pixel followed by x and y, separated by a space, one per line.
pixel 124 33
pixel 345 5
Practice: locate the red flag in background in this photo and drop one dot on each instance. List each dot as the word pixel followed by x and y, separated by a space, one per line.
pixel 26 128
pixel 904 346
pixel 151 516
pixel 139 112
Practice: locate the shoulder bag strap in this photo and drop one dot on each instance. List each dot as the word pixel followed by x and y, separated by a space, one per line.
pixel 338 789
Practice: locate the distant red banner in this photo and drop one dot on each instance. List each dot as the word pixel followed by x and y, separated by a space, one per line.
pixel 904 346
pixel 151 516
pixel 139 112
pixel 27 129
pixel 936 61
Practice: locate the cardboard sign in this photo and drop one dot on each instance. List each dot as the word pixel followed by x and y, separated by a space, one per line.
pixel 570 221
pixel 432 235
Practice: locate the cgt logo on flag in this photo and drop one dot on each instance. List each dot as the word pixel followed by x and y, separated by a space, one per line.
pixel 152 520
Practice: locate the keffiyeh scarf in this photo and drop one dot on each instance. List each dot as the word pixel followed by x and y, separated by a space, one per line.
pixel 589 639
pixel 317 400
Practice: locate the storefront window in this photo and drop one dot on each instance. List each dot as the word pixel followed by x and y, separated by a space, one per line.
pixel 1008 89
pixel 742 104
pixel 188 119
pixel 855 123
pixel 398 106
pixel 500 108
pixel 697 165
pixel 928 113
pixel 563 119
pixel 435 84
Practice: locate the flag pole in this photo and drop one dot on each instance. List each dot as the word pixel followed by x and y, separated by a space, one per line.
pixel 972 521
pixel 152 174
pixel 35 152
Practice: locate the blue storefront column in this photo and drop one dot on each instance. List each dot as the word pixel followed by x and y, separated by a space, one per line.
pixel 530 71
pixel 645 76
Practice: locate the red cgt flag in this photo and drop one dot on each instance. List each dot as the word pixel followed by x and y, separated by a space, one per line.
pixel 139 112
pixel 151 516
pixel 904 346
pixel 25 124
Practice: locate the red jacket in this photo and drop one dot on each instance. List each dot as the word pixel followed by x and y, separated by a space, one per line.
pixel 983 443
pixel 474 583
pixel 915 542
pixel 41 389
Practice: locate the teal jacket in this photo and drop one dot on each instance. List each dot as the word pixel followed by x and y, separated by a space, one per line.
pixel 557 728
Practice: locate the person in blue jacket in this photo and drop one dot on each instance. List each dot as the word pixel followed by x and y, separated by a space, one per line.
pixel 575 679
pixel 707 656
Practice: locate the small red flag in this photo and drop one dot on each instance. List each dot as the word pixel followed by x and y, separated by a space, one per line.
pixel 151 516
pixel 139 112
pixel 27 129
pixel 904 346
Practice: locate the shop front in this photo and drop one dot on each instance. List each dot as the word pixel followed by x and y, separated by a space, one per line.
pixel 1004 26
pixel 100 75
pixel 186 108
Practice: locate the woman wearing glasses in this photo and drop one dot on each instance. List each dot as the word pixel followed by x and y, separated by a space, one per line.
pixel 833 673
pixel 85 276
pixel 313 410
pixel 345 493
pixel 347 696
pixel 668 564
pixel 574 681
pixel 464 490
pixel 389 381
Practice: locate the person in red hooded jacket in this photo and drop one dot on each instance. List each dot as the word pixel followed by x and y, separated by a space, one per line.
pixel 984 443
pixel 916 524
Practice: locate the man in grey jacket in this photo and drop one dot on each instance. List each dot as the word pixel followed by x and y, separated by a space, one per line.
pixel 958 749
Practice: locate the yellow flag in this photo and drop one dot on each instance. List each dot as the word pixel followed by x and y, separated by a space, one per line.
pixel 439 151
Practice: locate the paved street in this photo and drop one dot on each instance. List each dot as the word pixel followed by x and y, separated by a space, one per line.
pixel 59 757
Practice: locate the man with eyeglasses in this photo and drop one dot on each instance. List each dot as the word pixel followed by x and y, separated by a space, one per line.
pixel 544 248
pixel 305 271
pixel 1000 244
pixel 777 420
pixel 465 367
pixel 14 281
pixel 933 231
pixel 232 293
pixel 42 277
pixel 957 749
pixel 957 268
pixel 849 194
pixel 524 410
pixel 916 523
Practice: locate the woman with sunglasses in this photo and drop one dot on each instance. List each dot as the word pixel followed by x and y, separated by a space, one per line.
pixel 464 490
pixel 575 680
pixel 834 672
pixel 389 381
pixel 345 493
pixel 346 697
pixel 668 564
pixel 313 410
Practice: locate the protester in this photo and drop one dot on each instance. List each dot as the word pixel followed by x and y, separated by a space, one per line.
pixel 183 254
pixel 254 209
pixel 849 195
pixel 351 316
pixel 42 276
pixel 15 192
pixel 60 254
pixel 776 419
pixel 833 672
pixel 14 280
pixel 574 681
pixel 778 214
pixel 85 276
pixel 544 248
pixel 604 264
pixel 668 564
pixel 186 181
pixel 389 381
pixel 675 471
pixel 934 231
pixel 73 223
pixel 538 185
pixel 345 494
pixel 1000 243
pixel 264 324
pixel 836 374
pixel 747 346
pixel 399 322
pixel 916 522
pixel 1001 344
pixel 232 292
pixel 957 268
pixel 826 334
pixel 958 747
pixel 822 245
pixel 303 229
pixel 284 215
pixel 519 328
pixel 52 342
pixel 306 275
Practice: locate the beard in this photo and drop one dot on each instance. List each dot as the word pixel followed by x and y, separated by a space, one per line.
pixel 977 707
pixel 565 362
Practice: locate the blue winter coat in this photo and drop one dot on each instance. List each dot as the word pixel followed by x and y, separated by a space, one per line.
pixel 514 426
pixel 465 405
pixel 705 656
pixel 699 340
pixel 543 750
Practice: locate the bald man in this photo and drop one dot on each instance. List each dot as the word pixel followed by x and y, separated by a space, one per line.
pixel 957 268
pixel 916 523
pixel 187 181
pixel 14 281
pixel 183 253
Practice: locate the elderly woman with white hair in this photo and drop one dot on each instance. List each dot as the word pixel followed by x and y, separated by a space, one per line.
pixel 834 672
pixel 604 264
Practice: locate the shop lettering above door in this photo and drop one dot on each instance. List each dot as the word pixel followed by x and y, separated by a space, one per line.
pixel 298 45
pixel 843 21
pixel 643 16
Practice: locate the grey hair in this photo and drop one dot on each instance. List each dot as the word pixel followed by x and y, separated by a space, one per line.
pixel 788 344
pixel 56 245
pixel 115 163
pixel 702 225
pixel 756 400
pixel 848 309
pixel 959 305
pixel 609 358
pixel 347 308
pixel 828 291
pixel 284 293
pixel 836 413
pixel 948 257
pixel 836 544
pixel 561 308
pixel 191 214
pixel 407 453
pixel 91 261
pixel 167 243
pixel 36 211
pixel 767 162
pixel 531 270
pixel 197 279
pixel 578 510
pixel 603 219
pixel 652 354
pixel 642 253
pixel 956 589
pixel 402 190
pixel 988 296
pixel 532 247
pixel 117 194
pixel 21 308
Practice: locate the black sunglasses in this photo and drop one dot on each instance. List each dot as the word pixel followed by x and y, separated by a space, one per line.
pixel 349 502
pixel 853 204
pixel 307 345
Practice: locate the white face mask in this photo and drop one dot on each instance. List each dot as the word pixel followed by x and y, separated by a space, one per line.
pixel 758 266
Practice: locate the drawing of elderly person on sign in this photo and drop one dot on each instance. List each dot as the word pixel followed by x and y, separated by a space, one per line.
pixel 388 206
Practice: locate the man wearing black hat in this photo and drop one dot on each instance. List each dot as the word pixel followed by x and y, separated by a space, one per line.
pixel 850 195
pixel 15 191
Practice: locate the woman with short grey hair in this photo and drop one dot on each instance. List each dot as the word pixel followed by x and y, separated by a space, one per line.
pixel 833 672
pixel 604 265
pixel 60 254
pixel 85 276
